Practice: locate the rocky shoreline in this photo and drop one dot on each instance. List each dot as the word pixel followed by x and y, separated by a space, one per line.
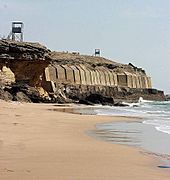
pixel 69 94
pixel 29 72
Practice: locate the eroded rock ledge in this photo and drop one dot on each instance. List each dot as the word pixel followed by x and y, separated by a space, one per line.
pixel 30 72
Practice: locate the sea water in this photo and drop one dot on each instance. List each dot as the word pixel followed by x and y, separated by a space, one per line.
pixel 156 113
pixel 152 132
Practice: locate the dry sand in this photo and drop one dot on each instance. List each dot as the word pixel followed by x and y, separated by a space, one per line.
pixel 38 144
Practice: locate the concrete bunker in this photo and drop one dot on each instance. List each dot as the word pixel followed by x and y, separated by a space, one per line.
pixel 122 79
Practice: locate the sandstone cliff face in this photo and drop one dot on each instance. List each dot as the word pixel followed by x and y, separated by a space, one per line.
pixel 25 60
pixel 61 76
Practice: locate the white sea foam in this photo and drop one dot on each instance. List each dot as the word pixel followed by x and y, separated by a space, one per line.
pixel 156 114
pixel 164 129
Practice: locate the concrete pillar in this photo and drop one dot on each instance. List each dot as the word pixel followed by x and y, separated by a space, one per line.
pixel 95 78
pixel 69 74
pixel 87 74
pixel 52 73
pixel 61 74
pixel 115 79
pixel 92 77
pixel 133 81
pixel 129 79
pixel 143 82
pixel 76 75
pixel 140 81
pixel 137 81
pixel 102 77
pixel 112 79
pixel 149 82
pixel 122 79
pixel 107 77
pixel 98 81
pixel 146 82
pixel 47 74
pixel 82 75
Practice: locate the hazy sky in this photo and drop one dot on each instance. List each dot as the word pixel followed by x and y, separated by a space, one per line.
pixel 136 31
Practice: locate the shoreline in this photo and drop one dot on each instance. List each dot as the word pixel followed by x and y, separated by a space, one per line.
pixel 44 144
pixel 84 110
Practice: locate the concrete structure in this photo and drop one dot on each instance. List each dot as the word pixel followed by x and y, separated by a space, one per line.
pixel 129 79
pixel 87 74
pixel 111 77
pixel 51 72
pixel 81 75
pixel 69 74
pixel 107 76
pixel 61 74
pixel 122 79
pixel 149 82
pixel 76 73
pixel 98 80
pixel 102 77
pixel 134 83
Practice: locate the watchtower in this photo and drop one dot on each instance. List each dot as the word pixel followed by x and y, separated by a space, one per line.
pixel 17 31
pixel 97 52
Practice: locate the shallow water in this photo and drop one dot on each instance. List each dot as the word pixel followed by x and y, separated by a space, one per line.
pixel 151 134
pixel 153 113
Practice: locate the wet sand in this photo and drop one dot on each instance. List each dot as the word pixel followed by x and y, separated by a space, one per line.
pixel 37 143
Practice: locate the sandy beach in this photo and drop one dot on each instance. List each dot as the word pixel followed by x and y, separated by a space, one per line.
pixel 39 144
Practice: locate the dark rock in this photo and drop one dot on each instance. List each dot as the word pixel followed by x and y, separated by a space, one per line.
pixel 120 104
pixel 24 93
pixel 5 95
pixel 83 101
pixel 23 50
pixel 21 97
pixel 111 66
pixel 97 99
pixel 167 97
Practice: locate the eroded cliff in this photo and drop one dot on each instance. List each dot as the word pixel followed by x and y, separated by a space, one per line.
pixel 68 77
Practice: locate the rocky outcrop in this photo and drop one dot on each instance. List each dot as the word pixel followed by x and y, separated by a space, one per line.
pixel 23 51
pixel 168 97
pixel 26 61
pixel 32 73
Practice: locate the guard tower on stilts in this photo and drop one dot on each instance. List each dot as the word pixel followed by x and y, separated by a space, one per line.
pixel 16 33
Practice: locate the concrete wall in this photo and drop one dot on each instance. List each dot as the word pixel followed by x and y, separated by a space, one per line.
pixel 134 85
pixel 129 79
pixel 52 73
pixel 61 74
pixel 115 78
pixel 76 73
pixel 149 82
pixel 112 78
pixel 82 75
pixel 87 74
pixel 98 79
pixel 137 82
pixel 69 74
pixel 122 79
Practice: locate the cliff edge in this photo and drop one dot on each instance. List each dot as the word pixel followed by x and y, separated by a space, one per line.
pixel 32 71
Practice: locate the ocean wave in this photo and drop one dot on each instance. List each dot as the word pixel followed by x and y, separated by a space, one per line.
pixel 154 113
pixel 164 129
